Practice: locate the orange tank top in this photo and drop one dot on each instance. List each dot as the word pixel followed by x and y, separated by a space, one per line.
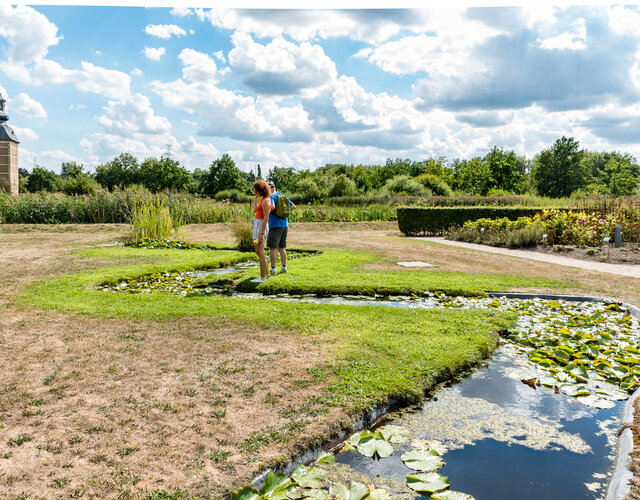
pixel 259 211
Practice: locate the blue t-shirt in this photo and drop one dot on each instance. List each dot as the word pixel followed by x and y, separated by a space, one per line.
pixel 274 220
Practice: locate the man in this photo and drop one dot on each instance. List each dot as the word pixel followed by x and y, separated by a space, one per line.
pixel 278 229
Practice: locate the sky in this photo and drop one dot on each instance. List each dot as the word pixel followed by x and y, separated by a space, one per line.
pixel 303 88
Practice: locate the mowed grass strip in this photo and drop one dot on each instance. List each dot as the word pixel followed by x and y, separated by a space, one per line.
pixel 341 272
pixel 378 353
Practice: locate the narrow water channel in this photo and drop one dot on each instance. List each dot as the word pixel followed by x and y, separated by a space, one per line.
pixel 521 425
pixel 506 440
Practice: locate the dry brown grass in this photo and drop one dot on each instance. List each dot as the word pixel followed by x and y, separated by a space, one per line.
pixel 120 407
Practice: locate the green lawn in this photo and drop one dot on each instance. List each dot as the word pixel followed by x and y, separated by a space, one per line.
pixel 377 354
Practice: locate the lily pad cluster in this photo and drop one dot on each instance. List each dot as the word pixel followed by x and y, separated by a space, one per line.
pixel 588 350
pixel 424 457
pixel 310 483
pixel 185 283
pixel 171 244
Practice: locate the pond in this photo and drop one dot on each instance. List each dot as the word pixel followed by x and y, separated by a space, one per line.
pixel 538 420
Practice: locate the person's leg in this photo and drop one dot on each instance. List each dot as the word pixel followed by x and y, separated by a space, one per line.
pixel 282 248
pixel 264 271
pixel 283 257
pixel 272 259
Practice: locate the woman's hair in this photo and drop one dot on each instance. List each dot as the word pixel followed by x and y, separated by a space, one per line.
pixel 261 187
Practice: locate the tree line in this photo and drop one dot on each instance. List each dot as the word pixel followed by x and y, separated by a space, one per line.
pixel 558 171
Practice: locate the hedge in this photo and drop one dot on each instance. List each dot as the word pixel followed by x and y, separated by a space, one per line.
pixel 436 220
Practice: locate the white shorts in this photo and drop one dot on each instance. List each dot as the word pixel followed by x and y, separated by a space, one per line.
pixel 256 226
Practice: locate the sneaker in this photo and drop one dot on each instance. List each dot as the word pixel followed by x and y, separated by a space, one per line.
pixel 258 280
pixel 272 274
pixel 283 271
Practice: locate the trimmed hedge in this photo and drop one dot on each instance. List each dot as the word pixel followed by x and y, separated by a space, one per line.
pixel 436 220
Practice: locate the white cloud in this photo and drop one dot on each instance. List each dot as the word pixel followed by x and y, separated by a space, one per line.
pixel 25 134
pixel 77 107
pixel 280 67
pixel 219 55
pixel 181 12
pixel 28 36
pixel 154 53
pixel 27 106
pixel 569 40
pixel 231 115
pixel 444 50
pixel 136 72
pixel 28 33
pixel 89 78
pixel 164 31
pixel 373 26
pixel 199 67
pixel 133 117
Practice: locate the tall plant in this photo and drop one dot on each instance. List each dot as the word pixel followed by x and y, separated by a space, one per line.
pixel 151 219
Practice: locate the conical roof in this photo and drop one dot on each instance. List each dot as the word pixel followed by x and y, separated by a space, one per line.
pixel 6 132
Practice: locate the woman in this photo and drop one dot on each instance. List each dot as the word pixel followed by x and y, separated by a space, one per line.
pixel 260 224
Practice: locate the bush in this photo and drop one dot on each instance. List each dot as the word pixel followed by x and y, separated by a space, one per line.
pixel 437 220
pixel 403 184
pixel 80 184
pixel 434 184
pixel 234 196
pixel 242 233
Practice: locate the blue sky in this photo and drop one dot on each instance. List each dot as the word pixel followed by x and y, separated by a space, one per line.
pixel 301 88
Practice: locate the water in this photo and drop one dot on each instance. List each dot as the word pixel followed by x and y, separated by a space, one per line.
pixel 507 440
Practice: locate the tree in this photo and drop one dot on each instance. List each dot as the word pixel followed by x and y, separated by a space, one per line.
pixel 503 170
pixel 222 175
pixel 164 173
pixel 559 171
pixel 343 186
pixel 71 169
pixel 472 176
pixel 283 178
pixel 122 171
pixel 42 179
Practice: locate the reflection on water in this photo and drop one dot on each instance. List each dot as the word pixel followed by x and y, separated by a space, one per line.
pixel 508 440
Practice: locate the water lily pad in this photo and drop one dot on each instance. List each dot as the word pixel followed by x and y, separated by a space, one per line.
pixel 276 486
pixel 300 493
pixel 375 445
pixel 423 444
pixel 596 402
pixel 395 433
pixel 308 477
pixel 451 495
pixel 422 460
pixel 246 493
pixel 428 482
pixel 325 458
pixel 355 491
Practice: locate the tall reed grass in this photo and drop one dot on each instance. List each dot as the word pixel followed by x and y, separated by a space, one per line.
pixel 151 220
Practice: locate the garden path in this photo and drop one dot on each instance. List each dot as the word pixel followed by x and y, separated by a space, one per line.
pixel 628 270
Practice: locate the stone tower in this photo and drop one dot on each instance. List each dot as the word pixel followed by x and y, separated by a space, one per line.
pixel 8 153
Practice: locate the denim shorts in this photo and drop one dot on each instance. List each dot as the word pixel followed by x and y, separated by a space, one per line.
pixel 256 226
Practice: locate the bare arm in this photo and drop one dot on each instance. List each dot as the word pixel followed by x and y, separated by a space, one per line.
pixel 256 203
pixel 266 208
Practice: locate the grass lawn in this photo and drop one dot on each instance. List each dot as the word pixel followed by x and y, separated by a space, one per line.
pixel 122 395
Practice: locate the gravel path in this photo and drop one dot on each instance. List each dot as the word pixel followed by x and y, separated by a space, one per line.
pixel 621 269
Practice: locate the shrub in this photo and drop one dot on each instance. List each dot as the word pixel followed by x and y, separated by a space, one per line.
pixel 79 184
pixel 233 195
pixel 403 184
pixel 434 184
pixel 437 220
pixel 242 233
